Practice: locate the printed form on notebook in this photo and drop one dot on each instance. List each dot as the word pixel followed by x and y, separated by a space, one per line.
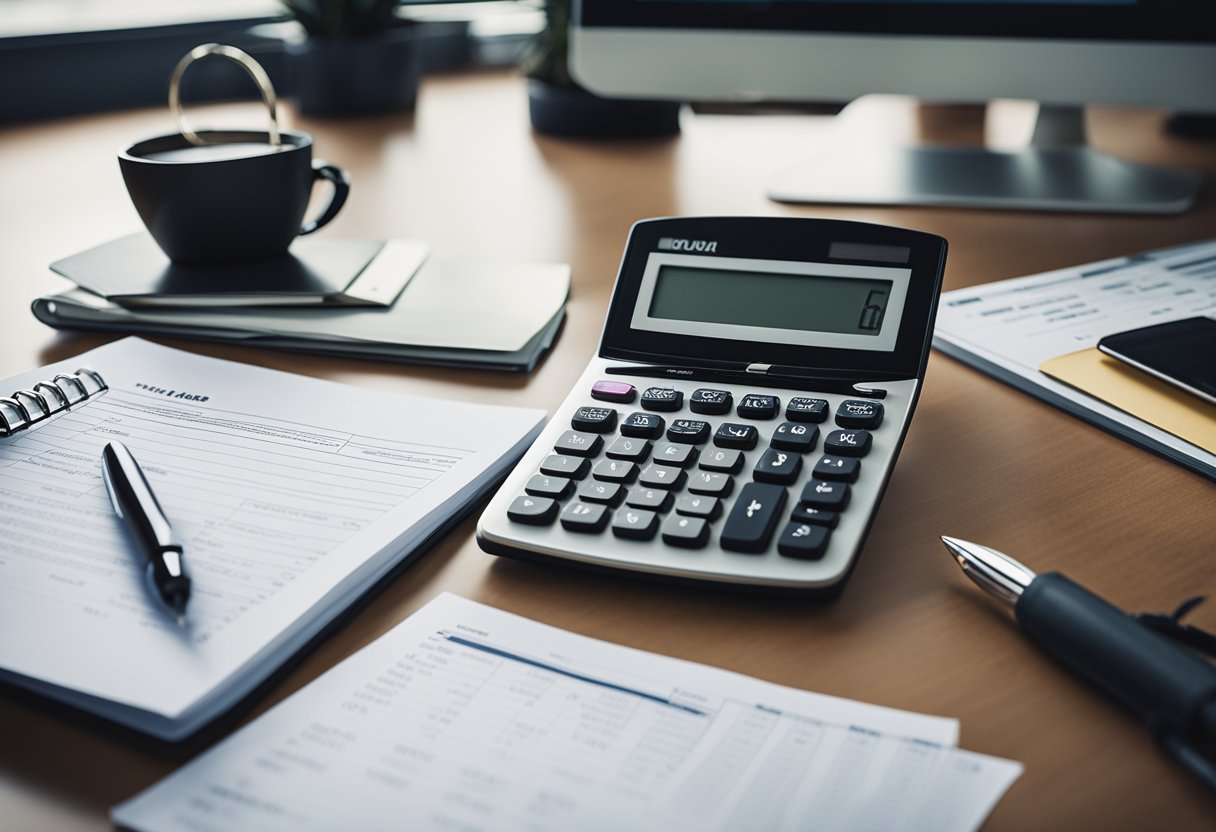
pixel 292 497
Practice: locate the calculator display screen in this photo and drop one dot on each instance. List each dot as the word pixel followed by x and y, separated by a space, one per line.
pixel 779 301
pixel 811 303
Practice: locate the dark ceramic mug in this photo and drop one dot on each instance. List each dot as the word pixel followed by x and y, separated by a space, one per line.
pixel 232 198
pixel 216 197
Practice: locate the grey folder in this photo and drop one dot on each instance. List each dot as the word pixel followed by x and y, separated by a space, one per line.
pixel 460 312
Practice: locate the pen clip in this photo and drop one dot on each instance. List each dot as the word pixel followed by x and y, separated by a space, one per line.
pixel 1172 627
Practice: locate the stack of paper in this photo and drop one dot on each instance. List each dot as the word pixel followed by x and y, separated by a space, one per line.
pixel 1039 334
pixel 292 496
pixel 466 717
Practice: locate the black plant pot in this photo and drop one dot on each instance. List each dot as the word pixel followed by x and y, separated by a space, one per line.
pixel 573 112
pixel 357 76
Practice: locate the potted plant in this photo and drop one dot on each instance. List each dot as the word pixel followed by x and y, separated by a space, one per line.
pixel 558 106
pixel 358 57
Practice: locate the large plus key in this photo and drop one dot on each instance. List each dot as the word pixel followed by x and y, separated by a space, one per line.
pixel 751 522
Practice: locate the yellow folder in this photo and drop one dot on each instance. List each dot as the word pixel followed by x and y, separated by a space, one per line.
pixel 1136 392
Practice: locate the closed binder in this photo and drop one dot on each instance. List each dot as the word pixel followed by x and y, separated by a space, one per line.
pixel 31 405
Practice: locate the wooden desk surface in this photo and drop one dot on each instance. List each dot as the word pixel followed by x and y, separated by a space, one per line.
pixel 981 461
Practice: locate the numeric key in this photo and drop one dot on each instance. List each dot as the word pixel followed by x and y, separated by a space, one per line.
pixel 565 465
pixel 578 444
pixel 635 524
pixel 778 466
pixel 532 511
pixel 726 460
pixel 584 517
pixel 556 488
pixel 628 448
pixel 688 532
pixel 661 476
pixel 614 470
pixel 794 436
pixel 826 495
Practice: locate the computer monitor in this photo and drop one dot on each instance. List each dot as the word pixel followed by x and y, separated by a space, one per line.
pixel 1065 55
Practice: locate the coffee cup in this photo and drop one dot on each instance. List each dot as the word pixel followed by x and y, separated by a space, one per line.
pixel 229 196
pixel 216 197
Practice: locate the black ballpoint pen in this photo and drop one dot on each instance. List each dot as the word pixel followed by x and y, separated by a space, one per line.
pixel 138 508
pixel 1163 684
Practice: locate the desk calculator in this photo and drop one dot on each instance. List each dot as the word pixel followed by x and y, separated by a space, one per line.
pixel 753 385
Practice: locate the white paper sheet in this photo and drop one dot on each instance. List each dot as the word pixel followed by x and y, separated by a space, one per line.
pixel 290 496
pixel 1009 327
pixel 466 717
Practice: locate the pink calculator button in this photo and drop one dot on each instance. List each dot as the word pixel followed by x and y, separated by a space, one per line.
pixel 613 391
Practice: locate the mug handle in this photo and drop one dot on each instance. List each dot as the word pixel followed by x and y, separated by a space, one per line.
pixel 341 183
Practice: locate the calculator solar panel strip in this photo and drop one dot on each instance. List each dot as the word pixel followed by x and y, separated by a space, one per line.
pixel 753 386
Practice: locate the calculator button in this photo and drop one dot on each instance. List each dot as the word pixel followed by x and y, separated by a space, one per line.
pixel 816 516
pixel 731 435
pixel 848 442
pixel 634 450
pixel 614 470
pixel 688 431
pixel 755 406
pixel 594 491
pixel 535 511
pixel 829 496
pixel 726 460
pixel 750 524
pixel 635 523
pixel 555 487
pixel 806 410
pixel 564 465
pixel 689 532
pixel 698 505
pixel 662 398
pixel 656 499
pixel 584 517
pixel 837 469
pixel 578 444
pixel 792 436
pixel 680 456
pixel 803 540
pixel 713 402
pixel 854 413
pixel 644 425
pixel 661 476
pixel 778 466
pixel 711 483
pixel 594 419
pixel 614 391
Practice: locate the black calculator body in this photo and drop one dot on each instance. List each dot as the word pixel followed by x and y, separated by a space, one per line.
pixel 753 385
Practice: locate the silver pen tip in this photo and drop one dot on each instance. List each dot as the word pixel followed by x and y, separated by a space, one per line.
pixel 181 621
pixel 993 571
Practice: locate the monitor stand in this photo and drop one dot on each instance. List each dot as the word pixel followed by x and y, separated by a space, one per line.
pixel 1057 171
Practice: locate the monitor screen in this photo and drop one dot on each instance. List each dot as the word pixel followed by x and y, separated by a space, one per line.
pixel 1063 55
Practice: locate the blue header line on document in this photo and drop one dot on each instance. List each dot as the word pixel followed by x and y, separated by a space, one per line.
pixel 495 651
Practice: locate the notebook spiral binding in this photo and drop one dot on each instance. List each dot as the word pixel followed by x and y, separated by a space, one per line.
pixel 28 407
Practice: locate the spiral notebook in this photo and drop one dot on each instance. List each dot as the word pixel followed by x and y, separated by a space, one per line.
pixel 293 496
pixel 29 406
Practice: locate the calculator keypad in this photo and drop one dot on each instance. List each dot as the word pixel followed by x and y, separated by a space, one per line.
pixel 674 478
